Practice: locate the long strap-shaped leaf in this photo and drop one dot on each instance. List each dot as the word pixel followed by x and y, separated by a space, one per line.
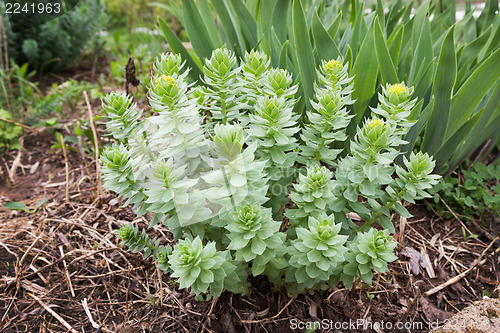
pixel 304 51
pixel 325 45
pixel 265 22
pixel 387 70
pixel 473 91
pixel 198 33
pixel 417 128
pixel 228 20
pixel 248 23
pixel 444 80
pixel 483 130
pixel 365 75
pixel 208 18
pixel 451 145
pixel 177 47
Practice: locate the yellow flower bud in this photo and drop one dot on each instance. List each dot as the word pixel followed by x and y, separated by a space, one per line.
pixel 397 88
pixel 374 123
pixel 333 63
pixel 170 81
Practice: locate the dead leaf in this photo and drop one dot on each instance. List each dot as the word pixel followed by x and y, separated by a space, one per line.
pixel 416 259
pixel 432 313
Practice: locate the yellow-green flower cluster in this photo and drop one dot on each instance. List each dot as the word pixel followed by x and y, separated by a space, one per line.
pixel 398 93
pixel 333 74
pixel 332 67
pixel 395 105
pixel 375 131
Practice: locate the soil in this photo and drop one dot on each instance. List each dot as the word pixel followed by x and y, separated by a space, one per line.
pixel 62 269
pixel 481 317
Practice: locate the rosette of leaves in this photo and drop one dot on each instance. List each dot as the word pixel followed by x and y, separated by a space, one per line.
pixel 396 106
pixel 376 141
pixel 312 194
pixel 410 185
pixel 117 168
pixel 316 253
pixel 369 250
pixel 223 87
pixel 278 82
pixel 325 126
pixel 170 64
pixel 125 175
pixel 254 236
pixel 413 182
pixel 161 257
pixel 168 92
pixel 255 67
pixel 368 166
pixel 123 116
pixel 200 267
pixel 228 140
pixel 274 125
pixel 365 171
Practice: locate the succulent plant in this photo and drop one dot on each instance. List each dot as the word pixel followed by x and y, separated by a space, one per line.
pixel 246 189
pixel 369 250
pixel 200 267
pixel 122 114
pixel 254 236
pixel 318 250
